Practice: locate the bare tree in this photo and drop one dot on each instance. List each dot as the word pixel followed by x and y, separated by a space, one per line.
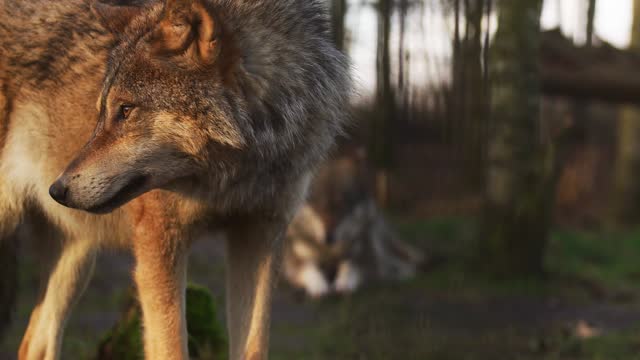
pixel 381 139
pixel 519 183
pixel 626 207
pixel 591 15
pixel 469 92
pixel 338 14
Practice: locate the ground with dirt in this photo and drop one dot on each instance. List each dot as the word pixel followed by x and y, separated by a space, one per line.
pixel 585 308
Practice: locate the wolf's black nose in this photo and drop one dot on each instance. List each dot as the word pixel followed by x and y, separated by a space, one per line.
pixel 59 191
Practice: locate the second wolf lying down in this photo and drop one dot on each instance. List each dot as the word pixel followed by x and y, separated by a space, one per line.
pixel 211 114
pixel 340 239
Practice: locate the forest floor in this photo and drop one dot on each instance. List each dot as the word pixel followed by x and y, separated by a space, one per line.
pixel 586 307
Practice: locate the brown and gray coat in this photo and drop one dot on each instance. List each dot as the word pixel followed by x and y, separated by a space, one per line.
pixel 211 115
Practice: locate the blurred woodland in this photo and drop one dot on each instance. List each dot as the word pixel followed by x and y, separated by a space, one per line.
pixel 522 128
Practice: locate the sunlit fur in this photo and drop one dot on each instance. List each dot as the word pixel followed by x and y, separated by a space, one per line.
pixel 231 117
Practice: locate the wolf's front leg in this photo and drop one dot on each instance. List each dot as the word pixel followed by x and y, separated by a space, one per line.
pixel 68 279
pixel 253 252
pixel 160 276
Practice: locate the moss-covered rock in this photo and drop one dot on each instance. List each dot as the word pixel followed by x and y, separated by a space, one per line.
pixel 206 336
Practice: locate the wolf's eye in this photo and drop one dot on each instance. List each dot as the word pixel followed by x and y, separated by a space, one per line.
pixel 125 111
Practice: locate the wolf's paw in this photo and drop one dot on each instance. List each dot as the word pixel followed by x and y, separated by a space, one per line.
pixel 348 279
pixel 314 281
pixel 28 352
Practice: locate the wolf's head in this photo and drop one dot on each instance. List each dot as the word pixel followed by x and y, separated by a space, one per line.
pixel 164 107
pixel 233 98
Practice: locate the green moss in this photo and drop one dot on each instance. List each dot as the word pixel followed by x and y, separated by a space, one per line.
pixel 206 336
pixel 125 340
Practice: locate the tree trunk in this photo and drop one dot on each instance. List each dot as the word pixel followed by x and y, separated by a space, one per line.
pixel 626 207
pixel 591 15
pixel 403 79
pixel 457 84
pixel 475 98
pixel 382 140
pixel 338 14
pixel 519 183
pixel 469 93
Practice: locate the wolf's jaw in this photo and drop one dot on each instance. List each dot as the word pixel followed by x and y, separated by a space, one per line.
pixel 134 188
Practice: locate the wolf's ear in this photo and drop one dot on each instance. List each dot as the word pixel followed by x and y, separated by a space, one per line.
pixel 188 30
pixel 116 15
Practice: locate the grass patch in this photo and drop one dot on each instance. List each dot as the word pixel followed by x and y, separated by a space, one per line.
pixel 607 263
pixel 580 266
pixel 453 312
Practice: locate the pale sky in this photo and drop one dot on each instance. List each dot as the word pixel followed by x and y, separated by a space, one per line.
pixel 612 23
pixel 428 35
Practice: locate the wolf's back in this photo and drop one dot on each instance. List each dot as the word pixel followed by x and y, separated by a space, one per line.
pixel 41 41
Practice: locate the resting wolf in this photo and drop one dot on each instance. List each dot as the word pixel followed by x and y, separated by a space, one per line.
pixel 340 239
pixel 150 123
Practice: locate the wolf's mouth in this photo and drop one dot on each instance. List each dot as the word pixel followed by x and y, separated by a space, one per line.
pixel 132 189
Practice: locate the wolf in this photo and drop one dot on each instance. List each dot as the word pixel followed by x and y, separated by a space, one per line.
pixel 146 124
pixel 340 239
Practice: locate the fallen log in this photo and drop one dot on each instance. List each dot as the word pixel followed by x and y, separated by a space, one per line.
pixel 601 72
